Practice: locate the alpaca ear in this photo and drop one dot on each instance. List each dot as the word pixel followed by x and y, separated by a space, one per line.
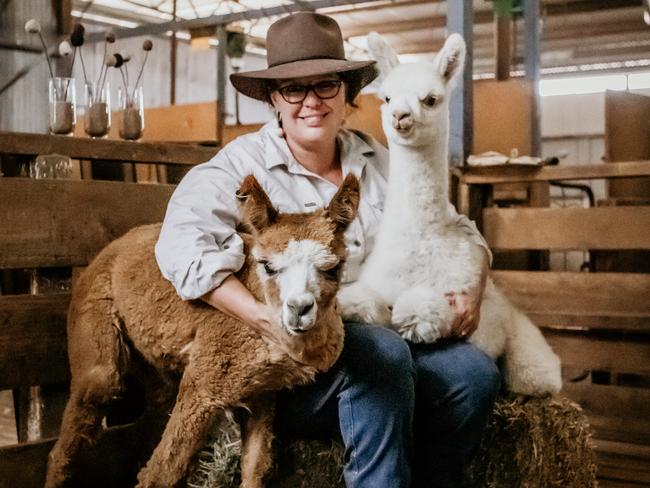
pixel 342 209
pixel 256 209
pixel 451 58
pixel 384 55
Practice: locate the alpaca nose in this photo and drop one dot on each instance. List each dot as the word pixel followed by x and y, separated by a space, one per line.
pixel 300 306
pixel 402 120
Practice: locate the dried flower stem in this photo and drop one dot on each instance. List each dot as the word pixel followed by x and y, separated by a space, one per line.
pixel 126 85
pixel 83 65
pixel 47 55
pixel 146 55
pixel 101 70
pixel 126 70
pixel 102 81
pixel 74 54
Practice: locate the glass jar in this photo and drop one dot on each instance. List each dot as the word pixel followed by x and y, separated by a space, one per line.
pixel 97 119
pixel 131 116
pixel 63 105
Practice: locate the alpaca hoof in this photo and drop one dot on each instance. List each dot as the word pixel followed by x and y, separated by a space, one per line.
pixel 355 304
pixel 413 329
pixel 535 382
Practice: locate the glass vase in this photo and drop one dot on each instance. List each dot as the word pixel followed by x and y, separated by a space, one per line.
pixel 131 113
pixel 97 120
pixel 63 105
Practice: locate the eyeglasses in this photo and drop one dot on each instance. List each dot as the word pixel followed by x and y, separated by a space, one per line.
pixel 323 90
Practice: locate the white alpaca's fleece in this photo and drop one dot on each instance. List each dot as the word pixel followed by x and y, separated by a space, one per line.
pixel 421 253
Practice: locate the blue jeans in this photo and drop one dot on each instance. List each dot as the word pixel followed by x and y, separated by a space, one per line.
pixel 409 415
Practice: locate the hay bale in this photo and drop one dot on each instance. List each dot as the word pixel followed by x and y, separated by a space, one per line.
pixel 535 443
pixel 532 443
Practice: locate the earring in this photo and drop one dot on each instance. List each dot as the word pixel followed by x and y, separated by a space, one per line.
pixel 280 129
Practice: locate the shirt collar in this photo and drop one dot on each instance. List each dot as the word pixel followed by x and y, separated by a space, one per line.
pixel 353 146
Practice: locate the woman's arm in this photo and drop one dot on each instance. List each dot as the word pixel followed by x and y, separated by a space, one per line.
pixel 234 299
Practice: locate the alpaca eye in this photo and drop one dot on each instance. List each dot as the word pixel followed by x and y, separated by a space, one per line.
pixel 333 272
pixel 429 100
pixel 387 99
pixel 268 269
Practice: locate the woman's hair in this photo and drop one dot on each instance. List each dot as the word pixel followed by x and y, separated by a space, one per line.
pixel 352 80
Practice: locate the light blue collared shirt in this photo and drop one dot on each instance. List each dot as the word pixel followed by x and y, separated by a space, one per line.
pixel 198 246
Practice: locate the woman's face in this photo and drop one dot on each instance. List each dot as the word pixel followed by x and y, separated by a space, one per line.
pixel 313 120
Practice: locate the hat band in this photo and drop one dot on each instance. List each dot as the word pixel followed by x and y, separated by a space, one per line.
pixel 305 59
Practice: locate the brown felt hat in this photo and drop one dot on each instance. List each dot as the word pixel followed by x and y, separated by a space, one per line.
pixel 299 45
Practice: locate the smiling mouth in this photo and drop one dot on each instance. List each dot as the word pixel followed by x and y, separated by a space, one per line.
pixel 314 118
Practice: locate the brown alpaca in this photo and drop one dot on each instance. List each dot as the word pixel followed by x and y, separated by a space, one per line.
pixel 124 314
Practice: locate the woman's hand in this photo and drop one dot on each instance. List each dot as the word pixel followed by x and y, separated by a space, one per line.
pixel 466 305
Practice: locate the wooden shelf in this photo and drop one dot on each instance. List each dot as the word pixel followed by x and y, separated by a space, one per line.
pixel 474 175
pixel 26 144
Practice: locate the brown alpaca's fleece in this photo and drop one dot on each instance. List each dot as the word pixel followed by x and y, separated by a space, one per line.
pixel 122 306
pixel 125 317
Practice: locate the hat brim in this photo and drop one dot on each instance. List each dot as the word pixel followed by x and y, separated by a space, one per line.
pixel 254 83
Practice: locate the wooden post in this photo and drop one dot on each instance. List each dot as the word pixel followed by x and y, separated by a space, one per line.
pixel 221 81
pixel 503 40
pixel 532 29
pixel 172 62
pixel 460 19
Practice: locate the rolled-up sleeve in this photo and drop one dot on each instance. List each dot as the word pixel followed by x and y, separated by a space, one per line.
pixel 198 246
pixel 469 227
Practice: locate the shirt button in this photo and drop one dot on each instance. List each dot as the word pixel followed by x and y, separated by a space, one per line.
pixel 357 242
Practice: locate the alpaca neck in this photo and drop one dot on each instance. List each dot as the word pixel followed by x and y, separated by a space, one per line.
pixel 419 177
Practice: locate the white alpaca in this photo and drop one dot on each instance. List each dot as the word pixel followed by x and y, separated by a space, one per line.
pixel 421 253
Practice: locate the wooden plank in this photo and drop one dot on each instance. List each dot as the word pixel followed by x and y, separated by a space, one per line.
pixel 606 228
pixel 617 401
pixel 16 143
pixel 587 351
pixel 623 460
pixel 111 462
pixel 502 116
pixel 568 320
pixel 619 429
pixel 627 125
pixel 33 348
pixel 47 223
pixel 638 451
pixel 614 483
pixel 580 300
pixel 516 173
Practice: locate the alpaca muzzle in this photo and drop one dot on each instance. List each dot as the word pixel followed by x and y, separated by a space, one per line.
pixel 299 313
pixel 402 122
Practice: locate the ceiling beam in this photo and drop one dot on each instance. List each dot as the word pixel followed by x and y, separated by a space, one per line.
pixel 437 22
pixel 216 20
pixel 392 4
pixel 567 15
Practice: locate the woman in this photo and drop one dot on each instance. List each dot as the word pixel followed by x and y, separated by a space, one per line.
pixel 408 414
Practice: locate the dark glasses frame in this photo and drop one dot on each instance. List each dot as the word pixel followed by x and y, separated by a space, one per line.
pixel 313 87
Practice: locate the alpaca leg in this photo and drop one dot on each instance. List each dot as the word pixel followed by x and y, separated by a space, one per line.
pixel 257 442
pixel 159 393
pixel 189 424
pixel 531 367
pixel 97 358
pixel 360 302
pixel 422 314
pixel 81 423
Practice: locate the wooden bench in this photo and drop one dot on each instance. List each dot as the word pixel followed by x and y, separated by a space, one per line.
pixel 62 224
pixel 598 322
